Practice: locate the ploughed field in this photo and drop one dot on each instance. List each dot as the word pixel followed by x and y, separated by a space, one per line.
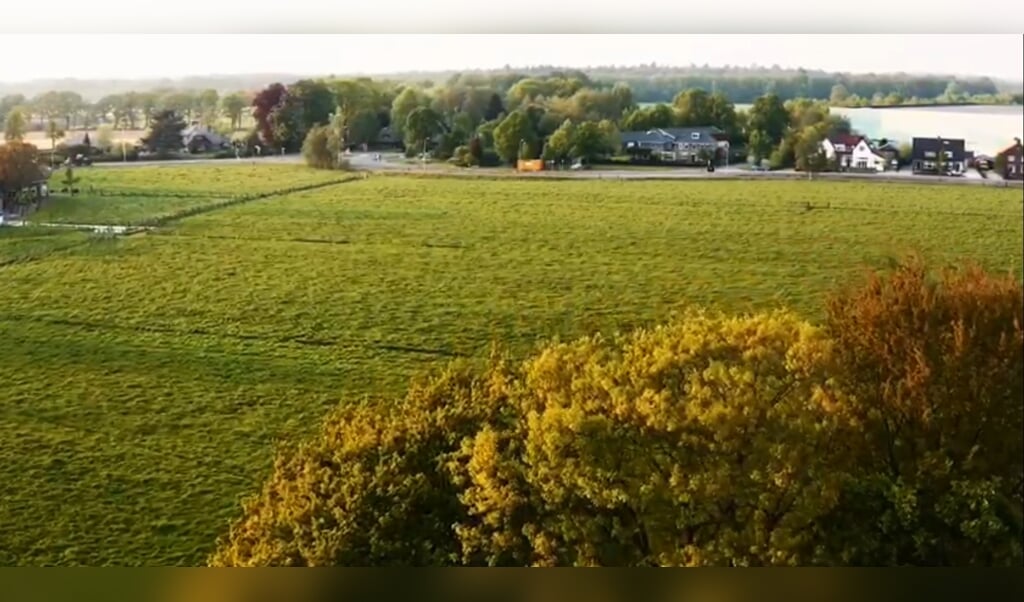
pixel 148 378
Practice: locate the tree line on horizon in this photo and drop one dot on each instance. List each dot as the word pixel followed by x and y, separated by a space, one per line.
pixel 88 103
pixel 480 118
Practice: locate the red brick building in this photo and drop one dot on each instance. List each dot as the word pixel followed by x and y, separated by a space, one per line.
pixel 1010 159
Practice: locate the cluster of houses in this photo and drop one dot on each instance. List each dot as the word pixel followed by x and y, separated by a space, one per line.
pixel 928 156
pixel 844 152
pixel 196 138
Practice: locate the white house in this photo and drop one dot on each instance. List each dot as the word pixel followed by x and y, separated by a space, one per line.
pixel 865 158
pixel 850 152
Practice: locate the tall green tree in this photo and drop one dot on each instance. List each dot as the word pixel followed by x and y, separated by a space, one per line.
pixel 495 107
pixel 54 133
pixel 808 152
pixel 208 100
pixel 407 101
pixel 165 133
pixel 233 106
pixel 9 102
pixel 693 108
pixel 767 121
pixel 591 141
pixel 314 100
pixel 67 105
pixel 514 137
pixel 364 127
pixel 15 125
pixel 559 145
pixel 420 126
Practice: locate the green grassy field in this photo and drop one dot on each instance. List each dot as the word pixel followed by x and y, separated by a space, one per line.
pixel 22 244
pixel 133 195
pixel 148 378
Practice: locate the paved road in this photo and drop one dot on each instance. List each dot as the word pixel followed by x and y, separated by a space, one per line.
pixel 395 163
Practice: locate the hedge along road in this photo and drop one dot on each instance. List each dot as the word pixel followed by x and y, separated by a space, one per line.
pixel 393 163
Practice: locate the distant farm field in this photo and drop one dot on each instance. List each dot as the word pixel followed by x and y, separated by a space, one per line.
pixel 148 378
pixel 135 195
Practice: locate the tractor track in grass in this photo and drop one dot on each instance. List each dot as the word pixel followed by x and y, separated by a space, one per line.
pixel 294 340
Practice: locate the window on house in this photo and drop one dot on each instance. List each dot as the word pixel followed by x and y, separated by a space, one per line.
pixel 949 154
pixel 929 154
pixel 695 136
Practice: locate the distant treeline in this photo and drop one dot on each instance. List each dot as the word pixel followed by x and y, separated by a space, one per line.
pixel 650 83
pixel 486 118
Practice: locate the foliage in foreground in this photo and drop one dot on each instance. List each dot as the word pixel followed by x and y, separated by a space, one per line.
pixel 888 436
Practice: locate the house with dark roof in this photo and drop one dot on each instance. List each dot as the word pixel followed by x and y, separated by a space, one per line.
pixel 1010 161
pixel 685 146
pixel 888 150
pixel 938 156
pixel 33 183
pixel 201 139
pixel 387 137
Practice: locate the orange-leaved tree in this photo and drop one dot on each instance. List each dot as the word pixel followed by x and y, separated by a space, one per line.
pixel 933 368
pixel 889 436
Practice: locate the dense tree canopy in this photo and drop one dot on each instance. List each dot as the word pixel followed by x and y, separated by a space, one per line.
pixel 19 167
pixel 887 436
pixel 515 137
pixel 471 105
pixel 165 133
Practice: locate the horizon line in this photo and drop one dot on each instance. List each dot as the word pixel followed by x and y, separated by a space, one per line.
pixel 384 74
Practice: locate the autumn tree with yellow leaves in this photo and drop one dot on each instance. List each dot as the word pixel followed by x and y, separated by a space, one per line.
pixel 890 434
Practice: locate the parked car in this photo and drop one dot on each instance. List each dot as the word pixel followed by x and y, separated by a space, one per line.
pixel 78 160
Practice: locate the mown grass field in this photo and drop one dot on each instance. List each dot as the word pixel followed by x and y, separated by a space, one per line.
pixel 133 195
pixel 148 378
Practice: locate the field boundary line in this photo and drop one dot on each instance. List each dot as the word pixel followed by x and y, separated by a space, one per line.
pixel 232 201
pixel 106 231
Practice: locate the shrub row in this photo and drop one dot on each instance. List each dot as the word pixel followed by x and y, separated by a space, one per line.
pixel 889 435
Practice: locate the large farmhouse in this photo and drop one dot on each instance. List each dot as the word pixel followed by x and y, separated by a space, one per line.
pixel 686 146
pixel 199 138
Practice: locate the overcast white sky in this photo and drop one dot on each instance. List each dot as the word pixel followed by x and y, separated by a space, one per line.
pixel 175 55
